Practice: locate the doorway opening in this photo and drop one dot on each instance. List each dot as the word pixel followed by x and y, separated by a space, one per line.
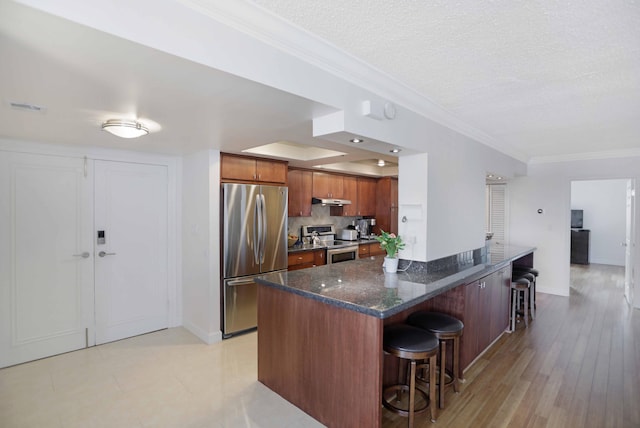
pixel 602 232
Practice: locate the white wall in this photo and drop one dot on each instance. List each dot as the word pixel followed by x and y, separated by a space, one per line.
pixel 200 245
pixel 548 231
pixel 604 206
pixel 413 205
pixel 548 186
pixel 457 163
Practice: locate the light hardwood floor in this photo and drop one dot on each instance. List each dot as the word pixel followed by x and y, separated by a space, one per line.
pixel 577 365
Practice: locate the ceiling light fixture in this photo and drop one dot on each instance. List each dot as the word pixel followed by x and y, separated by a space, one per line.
pixel 125 128
pixel 380 162
pixel 395 150
pixel 356 140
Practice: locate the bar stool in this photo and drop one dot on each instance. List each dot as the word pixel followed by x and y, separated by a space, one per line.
pixel 416 345
pixel 517 286
pixel 535 272
pixel 444 327
pixel 532 291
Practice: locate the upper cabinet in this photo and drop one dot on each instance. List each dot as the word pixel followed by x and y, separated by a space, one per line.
pixel 300 189
pixel 387 205
pixel 367 196
pixel 252 170
pixel 327 185
pixel 350 192
pixel 361 191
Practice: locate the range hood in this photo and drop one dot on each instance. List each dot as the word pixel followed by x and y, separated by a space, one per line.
pixel 332 202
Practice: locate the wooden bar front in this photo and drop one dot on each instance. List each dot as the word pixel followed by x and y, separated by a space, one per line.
pixel 324 359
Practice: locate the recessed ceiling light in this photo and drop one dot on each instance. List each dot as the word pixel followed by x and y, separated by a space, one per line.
pixel 490 176
pixel 356 140
pixel 395 150
pixel 380 162
pixel 125 128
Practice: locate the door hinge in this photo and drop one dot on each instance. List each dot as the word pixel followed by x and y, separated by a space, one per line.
pixel 86 337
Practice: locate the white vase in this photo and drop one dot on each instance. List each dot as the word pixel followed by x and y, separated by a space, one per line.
pixel 390 264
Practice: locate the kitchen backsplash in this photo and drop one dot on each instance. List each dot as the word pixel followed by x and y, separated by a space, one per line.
pixel 319 215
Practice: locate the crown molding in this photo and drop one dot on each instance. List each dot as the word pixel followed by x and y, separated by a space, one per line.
pixel 275 31
pixel 605 154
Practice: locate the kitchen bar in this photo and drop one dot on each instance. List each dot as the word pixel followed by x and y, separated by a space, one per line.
pixel 320 330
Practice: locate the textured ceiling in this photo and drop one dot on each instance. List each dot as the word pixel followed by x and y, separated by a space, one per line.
pixel 550 78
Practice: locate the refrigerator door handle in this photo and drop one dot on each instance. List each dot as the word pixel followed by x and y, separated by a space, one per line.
pixel 257 230
pixel 263 244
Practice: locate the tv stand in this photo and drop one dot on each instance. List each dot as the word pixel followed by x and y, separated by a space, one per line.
pixel 580 246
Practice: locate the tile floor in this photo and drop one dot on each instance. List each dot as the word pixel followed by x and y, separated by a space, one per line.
pixel 163 379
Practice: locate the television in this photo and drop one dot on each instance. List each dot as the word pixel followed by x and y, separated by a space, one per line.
pixel 576 219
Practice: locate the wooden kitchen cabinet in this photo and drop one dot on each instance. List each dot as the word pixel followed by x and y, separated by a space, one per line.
pixel 327 185
pixel 349 192
pixel 300 189
pixel 387 205
pixel 306 259
pixel 247 169
pixel 367 198
pixel 371 249
pixel 361 191
pixel 486 313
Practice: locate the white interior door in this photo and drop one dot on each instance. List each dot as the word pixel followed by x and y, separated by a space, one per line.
pixel 629 244
pixel 46 257
pixel 131 266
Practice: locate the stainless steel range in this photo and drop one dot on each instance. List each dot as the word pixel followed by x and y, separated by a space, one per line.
pixel 325 235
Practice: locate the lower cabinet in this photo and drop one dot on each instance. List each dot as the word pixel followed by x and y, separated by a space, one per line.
pixel 306 259
pixel 372 249
pixel 486 313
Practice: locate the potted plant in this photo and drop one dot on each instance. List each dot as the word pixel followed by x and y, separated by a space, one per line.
pixel 391 244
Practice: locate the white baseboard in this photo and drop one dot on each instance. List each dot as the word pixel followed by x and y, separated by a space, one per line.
pixel 208 338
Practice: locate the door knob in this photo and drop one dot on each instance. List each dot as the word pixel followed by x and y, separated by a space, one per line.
pixel 102 254
pixel 84 255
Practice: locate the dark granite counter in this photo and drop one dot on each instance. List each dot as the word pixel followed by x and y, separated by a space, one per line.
pixel 308 247
pixel 362 286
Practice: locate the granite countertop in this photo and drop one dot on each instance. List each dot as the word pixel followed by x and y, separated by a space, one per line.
pixel 309 247
pixel 362 286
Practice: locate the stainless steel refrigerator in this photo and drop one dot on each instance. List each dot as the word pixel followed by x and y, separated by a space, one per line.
pixel 254 242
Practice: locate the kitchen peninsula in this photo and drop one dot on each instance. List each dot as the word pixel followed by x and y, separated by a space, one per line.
pixel 320 329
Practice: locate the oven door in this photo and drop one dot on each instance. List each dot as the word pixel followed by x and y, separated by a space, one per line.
pixel 344 254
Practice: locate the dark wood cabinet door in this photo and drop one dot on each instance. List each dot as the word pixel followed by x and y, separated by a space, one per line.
pixel 319 257
pixel 350 192
pixel 469 341
pixel 387 205
pixel 251 170
pixel 299 193
pixel 366 197
pixel 500 288
pixel 271 171
pixel 237 168
pixel 327 185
